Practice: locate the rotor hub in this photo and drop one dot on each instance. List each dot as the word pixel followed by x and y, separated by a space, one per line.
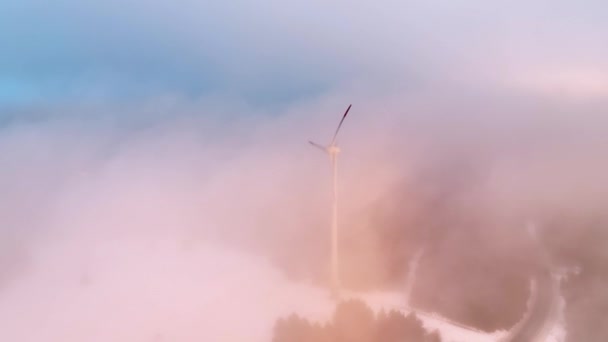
pixel 333 149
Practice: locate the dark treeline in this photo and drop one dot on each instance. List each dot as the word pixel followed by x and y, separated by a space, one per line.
pixel 478 257
pixel 468 272
pixel 354 321
pixel 585 293
pixel 477 263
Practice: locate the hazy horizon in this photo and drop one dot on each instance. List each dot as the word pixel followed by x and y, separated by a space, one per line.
pixel 164 146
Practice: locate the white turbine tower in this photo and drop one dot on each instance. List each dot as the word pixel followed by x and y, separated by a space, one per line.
pixel 332 151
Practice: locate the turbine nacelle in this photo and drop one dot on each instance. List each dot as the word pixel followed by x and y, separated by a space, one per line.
pixel 330 149
pixel 333 149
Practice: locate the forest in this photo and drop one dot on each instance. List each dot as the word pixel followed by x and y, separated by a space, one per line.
pixel 354 321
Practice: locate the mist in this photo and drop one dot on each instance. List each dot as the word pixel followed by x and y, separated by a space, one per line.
pixel 156 182
pixel 170 224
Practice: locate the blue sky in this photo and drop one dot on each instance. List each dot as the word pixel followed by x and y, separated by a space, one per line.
pixel 70 49
pixel 267 51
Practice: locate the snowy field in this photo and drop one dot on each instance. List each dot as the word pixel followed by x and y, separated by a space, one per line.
pixel 155 289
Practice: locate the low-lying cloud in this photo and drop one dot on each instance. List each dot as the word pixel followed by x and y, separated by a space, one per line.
pixel 184 222
pixel 156 181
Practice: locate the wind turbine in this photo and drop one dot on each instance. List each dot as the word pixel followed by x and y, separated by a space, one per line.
pixel 332 151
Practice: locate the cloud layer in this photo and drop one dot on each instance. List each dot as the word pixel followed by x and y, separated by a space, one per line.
pixel 164 143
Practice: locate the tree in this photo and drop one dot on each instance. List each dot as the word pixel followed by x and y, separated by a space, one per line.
pixel 354 321
pixel 432 337
pixel 396 327
pixel 293 329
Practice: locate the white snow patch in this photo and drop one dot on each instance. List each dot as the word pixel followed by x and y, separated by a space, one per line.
pixel 153 289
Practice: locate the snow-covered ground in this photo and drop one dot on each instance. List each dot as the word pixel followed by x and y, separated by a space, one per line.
pixel 154 289
pixel 136 289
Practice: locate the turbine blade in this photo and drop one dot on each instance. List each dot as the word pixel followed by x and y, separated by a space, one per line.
pixel 322 148
pixel 340 124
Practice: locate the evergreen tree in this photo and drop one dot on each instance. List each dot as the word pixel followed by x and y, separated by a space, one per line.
pixel 293 329
pixel 354 321
pixel 433 337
